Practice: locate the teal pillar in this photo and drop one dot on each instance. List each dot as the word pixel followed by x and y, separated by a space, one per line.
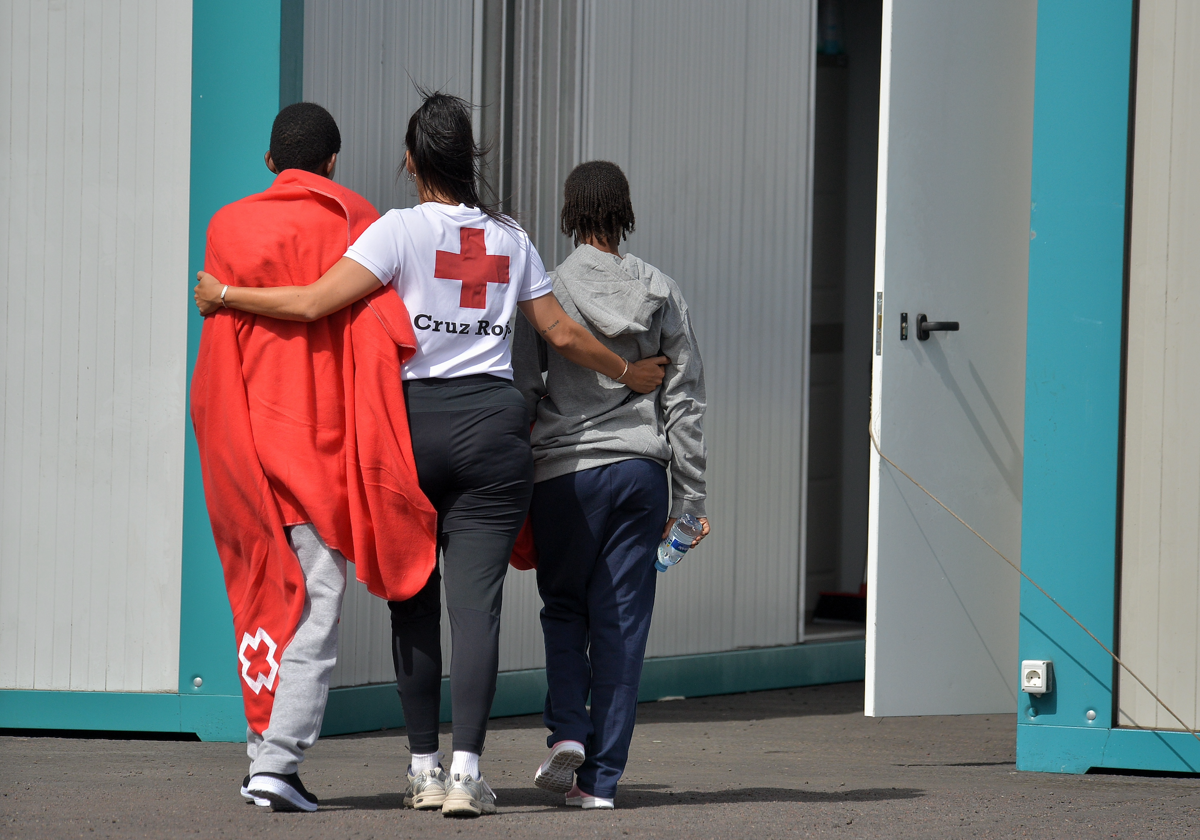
pixel 1077 281
pixel 235 97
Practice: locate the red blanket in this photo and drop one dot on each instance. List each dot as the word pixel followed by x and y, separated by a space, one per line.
pixel 524 554
pixel 303 423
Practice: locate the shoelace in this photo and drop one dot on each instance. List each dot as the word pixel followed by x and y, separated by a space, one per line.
pixel 482 781
pixel 422 780
pixel 486 786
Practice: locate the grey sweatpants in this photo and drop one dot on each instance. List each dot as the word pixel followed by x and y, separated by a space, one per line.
pixel 304 670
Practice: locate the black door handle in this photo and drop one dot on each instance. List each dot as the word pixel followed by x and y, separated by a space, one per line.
pixel 924 328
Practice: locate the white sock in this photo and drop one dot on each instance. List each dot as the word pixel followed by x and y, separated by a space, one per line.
pixel 425 762
pixel 465 764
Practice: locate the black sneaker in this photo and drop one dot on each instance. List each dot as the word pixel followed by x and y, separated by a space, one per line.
pixel 285 793
pixel 250 797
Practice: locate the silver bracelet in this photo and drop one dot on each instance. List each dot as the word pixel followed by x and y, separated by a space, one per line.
pixel 622 376
pixel 223 291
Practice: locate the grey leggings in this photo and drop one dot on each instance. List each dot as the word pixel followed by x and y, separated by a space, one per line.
pixel 471 444
pixel 307 662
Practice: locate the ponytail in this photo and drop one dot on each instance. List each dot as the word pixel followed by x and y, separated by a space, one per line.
pixel 444 153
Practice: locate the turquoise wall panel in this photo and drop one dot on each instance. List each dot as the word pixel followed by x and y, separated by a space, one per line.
pixel 1073 350
pixel 235 96
pixel 219 717
pixel 115 711
pixel 1077 749
pixel 210 717
pixel 1073 390
pixel 371 707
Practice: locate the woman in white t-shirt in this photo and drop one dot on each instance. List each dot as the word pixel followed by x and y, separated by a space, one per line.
pixel 462 270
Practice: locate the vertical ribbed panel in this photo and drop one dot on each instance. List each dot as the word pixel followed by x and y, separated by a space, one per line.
pixel 1160 560
pixel 361 61
pixel 94 162
pixel 546 114
pixel 521 645
pixel 706 106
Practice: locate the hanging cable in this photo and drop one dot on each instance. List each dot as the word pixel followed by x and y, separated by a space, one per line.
pixel 1032 582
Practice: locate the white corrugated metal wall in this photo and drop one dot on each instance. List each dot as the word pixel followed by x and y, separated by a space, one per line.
pixel 718 151
pixel 1160 561
pixel 95 149
pixel 361 61
pixel 707 108
pixel 546 113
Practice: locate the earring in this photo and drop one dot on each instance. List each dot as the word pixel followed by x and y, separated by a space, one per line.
pixel 412 177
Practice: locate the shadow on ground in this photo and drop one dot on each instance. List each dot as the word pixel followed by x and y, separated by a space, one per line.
pixel 840 699
pixel 634 797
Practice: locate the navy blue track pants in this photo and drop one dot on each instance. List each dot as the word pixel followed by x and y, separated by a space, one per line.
pixel 596 533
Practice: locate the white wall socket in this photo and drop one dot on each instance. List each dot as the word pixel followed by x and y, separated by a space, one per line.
pixel 1037 676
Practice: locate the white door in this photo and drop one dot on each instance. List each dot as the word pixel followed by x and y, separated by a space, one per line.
pixel 956 125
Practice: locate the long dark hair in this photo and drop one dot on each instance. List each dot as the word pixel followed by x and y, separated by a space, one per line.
pixel 448 160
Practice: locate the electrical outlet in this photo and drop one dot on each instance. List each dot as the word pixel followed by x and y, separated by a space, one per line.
pixel 1037 676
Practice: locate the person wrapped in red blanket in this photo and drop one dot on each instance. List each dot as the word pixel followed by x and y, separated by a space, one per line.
pixel 304 448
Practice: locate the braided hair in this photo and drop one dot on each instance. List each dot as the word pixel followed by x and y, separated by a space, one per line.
pixel 304 136
pixel 444 153
pixel 596 203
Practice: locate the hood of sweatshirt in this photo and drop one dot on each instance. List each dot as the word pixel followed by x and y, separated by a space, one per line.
pixel 617 296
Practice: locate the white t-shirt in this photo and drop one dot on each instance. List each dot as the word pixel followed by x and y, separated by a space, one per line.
pixel 460 273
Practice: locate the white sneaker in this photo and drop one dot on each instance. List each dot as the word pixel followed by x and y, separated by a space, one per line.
pixel 576 798
pixel 597 803
pixel 557 772
pixel 427 790
pixel 249 797
pixel 467 796
pixel 285 792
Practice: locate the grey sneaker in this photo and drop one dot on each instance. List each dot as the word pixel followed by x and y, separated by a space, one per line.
pixel 426 790
pixel 467 796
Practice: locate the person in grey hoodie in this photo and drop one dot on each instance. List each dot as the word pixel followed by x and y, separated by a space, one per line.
pixel 600 500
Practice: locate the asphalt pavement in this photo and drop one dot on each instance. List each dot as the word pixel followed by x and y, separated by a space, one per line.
pixel 792 763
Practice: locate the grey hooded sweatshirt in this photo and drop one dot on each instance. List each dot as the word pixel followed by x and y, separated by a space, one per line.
pixel 586 420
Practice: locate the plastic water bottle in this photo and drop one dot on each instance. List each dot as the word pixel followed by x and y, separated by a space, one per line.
pixel 672 549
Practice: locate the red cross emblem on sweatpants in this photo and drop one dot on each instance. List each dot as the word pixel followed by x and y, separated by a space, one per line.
pixel 473 266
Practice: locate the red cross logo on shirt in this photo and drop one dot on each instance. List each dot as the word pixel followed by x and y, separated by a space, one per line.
pixel 473 266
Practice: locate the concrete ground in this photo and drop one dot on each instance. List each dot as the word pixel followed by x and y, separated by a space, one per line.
pixel 791 763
